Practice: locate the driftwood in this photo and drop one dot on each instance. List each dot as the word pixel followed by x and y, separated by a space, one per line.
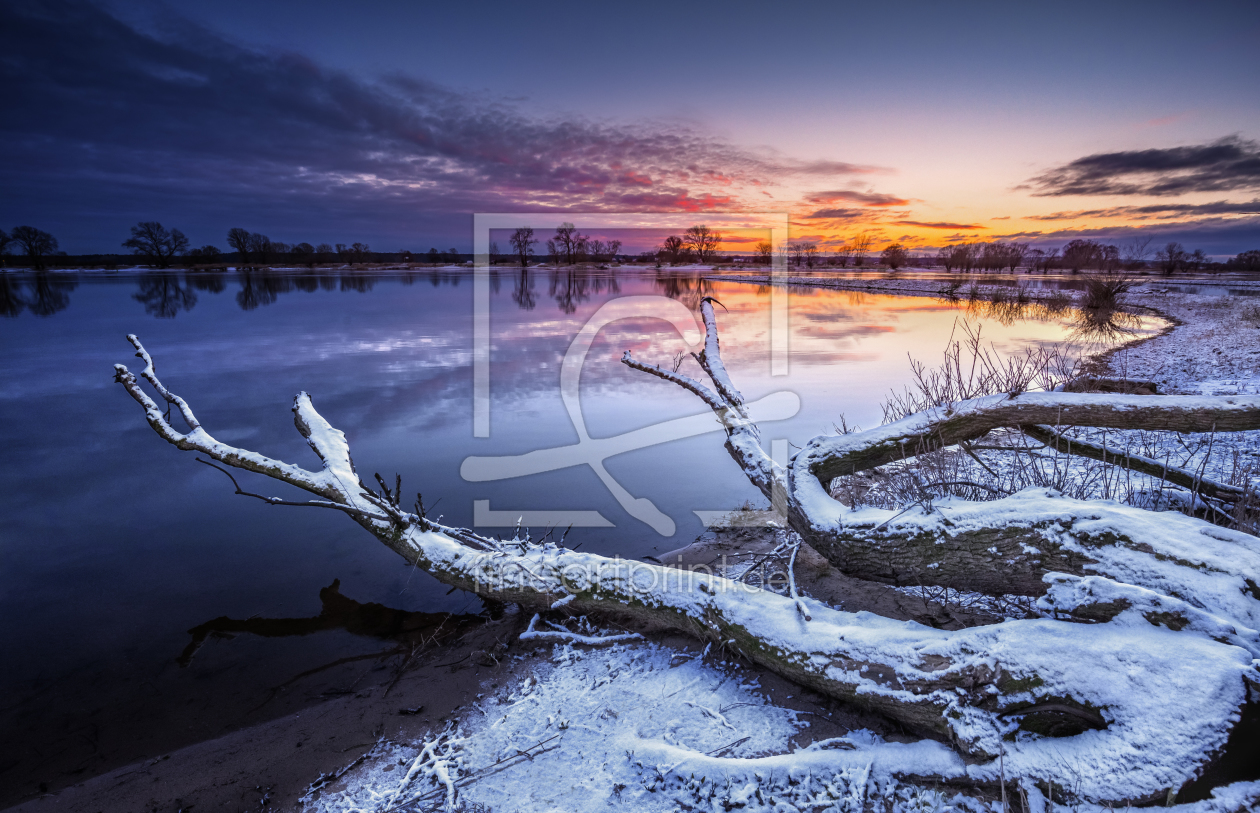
pixel 1146 703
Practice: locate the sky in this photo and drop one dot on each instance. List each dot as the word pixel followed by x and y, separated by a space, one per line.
pixel 391 123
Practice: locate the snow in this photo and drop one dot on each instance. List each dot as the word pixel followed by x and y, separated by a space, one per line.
pixel 1168 698
pixel 643 727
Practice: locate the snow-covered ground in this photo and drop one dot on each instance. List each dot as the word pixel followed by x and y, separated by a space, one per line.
pixel 643 727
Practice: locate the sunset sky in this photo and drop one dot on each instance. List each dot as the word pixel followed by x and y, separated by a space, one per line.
pixel 392 123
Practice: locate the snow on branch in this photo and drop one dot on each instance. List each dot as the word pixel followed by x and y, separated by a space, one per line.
pixel 1142 702
pixel 559 633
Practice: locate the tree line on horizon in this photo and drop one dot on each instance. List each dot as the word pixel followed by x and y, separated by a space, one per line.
pixel 160 247
pixel 995 256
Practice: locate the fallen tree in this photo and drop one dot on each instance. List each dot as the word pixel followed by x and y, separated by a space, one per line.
pixel 1126 699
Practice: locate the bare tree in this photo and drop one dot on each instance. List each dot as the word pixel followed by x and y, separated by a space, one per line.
pixel 861 246
pixel 674 251
pixel 809 252
pixel 523 244
pixel 595 249
pixel 702 242
pixel 843 254
pixel 156 243
pixel 260 248
pixel 1172 258
pixel 796 253
pixel 762 252
pixel 35 244
pixel 568 242
pixel 238 240
pixel 1015 254
pixel 5 240
pixel 1135 251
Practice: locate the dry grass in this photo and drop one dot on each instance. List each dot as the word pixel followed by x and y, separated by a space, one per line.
pixel 1007 461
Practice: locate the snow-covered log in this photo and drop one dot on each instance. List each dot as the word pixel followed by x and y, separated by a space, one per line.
pixel 995 549
pixel 1125 710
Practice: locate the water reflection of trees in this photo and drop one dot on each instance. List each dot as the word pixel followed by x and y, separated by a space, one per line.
pixel 41 294
pixel 572 286
pixel 1090 326
pixel 165 295
pixel 523 290
pixel 688 289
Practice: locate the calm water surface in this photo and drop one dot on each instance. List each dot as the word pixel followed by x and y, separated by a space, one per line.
pixel 115 544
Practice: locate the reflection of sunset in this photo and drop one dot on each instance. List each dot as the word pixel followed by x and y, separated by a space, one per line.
pixel 847 349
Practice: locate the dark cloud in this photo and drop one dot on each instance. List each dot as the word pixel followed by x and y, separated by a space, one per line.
pixel 106 124
pixel 854 196
pixel 1227 164
pixel 1219 237
pixel 1159 210
pixel 847 215
pixel 837 168
pixel 938 225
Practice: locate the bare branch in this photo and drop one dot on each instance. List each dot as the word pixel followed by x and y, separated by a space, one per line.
pixel 686 382
pixel 827 457
pixel 1194 481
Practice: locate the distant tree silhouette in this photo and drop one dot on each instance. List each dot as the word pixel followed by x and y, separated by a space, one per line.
pixel 303 254
pixel 155 243
pixel 35 244
pixel 567 241
pixel 260 248
pixel 238 239
pixel 523 244
pixel 1080 254
pixel 206 255
pixel 1247 260
pixel 1136 251
pixel 5 241
pixel 702 242
pixel 673 250
pixel 861 245
pixel 1172 257
pixel 894 256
